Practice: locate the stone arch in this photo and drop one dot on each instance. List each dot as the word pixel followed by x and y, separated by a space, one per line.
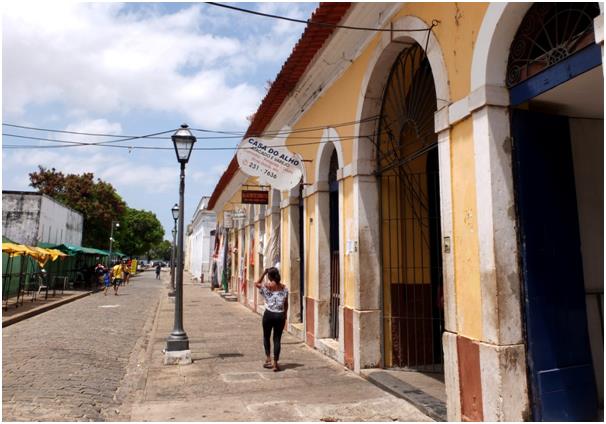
pixel 489 60
pixel 329 142
pixel 375 79
pixel 500 24
pixel 368 293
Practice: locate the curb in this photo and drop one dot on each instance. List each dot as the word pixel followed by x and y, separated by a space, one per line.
pixel 36 311
pixel 427 404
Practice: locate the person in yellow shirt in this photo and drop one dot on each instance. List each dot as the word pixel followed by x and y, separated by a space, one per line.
pixel 117 276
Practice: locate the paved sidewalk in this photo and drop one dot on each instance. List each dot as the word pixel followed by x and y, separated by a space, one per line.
pixel 227 382
pixel 14 314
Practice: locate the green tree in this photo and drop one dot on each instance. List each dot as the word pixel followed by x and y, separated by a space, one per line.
pixel 97 201
pixel 139 231
pixel 161 250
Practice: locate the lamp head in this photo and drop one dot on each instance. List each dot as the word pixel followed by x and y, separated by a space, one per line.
pixel 183 140
pixel 175 212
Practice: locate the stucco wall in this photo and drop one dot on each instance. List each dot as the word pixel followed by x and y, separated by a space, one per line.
pixel 31 218
pixel 201 241
pixel 21 217
pixel 59 224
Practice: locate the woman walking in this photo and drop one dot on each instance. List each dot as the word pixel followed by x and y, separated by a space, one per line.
pixel 274 318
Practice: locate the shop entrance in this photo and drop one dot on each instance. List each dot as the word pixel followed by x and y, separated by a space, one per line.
pixel 410 216
pixel 557 130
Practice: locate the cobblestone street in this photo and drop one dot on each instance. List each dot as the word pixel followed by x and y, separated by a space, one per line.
pixel 67 364
pixel 100 359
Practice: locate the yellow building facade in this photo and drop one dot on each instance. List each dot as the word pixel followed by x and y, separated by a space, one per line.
pixel 414 240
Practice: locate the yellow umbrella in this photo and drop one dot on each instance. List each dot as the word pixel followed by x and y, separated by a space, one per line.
pixel 14 249
pixel 40 255
pixel 56 254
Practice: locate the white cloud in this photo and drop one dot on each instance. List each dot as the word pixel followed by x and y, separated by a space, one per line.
pixel 98 67
pixel 98 60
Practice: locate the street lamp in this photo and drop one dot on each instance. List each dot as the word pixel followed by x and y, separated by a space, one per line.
pixel 175 212
pixel 115 224
pixel 177 344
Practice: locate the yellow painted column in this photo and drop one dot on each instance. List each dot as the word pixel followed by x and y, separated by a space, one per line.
pixel 466 243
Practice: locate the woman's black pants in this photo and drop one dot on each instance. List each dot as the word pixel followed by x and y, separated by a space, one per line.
pixel 273 321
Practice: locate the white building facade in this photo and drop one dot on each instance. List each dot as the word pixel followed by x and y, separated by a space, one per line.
pixel 200 241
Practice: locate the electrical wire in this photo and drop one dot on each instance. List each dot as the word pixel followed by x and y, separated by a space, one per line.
pixel 232 134
pixel 310 22
pixel 76 132
pixel 69 143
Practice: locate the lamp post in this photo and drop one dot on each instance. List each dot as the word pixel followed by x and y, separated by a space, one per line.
pixel 177 343
pixel 175 212
pixel 115 224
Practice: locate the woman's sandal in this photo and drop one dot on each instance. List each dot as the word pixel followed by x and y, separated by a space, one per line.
pixel 267 365
pixel 276 368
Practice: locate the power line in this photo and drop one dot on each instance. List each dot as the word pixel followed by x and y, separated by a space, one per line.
pixel 232 134
pixel 76 132
pixel 70 143
pixel 322 24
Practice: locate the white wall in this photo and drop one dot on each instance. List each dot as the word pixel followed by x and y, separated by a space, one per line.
pixel 31 218
pixel 21 217
pixel 200 245
pixel 59 224
pixel 587 139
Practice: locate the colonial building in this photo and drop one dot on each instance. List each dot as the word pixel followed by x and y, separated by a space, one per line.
pixel 200 241
pixel 450 215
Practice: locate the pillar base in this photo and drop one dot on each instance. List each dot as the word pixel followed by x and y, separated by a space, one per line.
pixel 177 357
pixel 366 339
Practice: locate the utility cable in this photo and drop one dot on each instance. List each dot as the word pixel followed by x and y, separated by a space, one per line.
pixel 232 134
pixel 70 143
pixel 310 22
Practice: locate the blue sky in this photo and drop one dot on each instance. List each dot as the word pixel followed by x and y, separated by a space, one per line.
pixel 136 69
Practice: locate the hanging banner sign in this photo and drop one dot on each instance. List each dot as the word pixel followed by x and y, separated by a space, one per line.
pixel 255 197
pixel 228 220
pixel 271 161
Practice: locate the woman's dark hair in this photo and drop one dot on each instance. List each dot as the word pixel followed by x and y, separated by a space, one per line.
pixel 274 275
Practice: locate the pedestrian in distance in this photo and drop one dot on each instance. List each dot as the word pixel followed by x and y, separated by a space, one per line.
pixel 100 272
pixel 117 276
pixel 274 317
pixel 126 271
pixel 107 282
pixel 158 269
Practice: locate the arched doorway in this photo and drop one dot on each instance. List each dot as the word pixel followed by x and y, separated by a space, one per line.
pixel 555 82
pixel 408 172
pixel 335 281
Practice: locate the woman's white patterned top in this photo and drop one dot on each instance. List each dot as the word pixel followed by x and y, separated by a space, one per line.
pixel 274 300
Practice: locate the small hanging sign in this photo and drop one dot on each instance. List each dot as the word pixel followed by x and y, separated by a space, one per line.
pixel 228 221
pixel 270 161
pixel 255 197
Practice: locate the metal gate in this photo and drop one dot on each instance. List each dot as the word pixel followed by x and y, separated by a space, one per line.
pixel 410 216
pixel 335 286
pixel 335 295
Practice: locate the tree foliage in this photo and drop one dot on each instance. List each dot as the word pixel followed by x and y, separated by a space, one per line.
pixel 161 251
pixel 97 201
pixel 139 231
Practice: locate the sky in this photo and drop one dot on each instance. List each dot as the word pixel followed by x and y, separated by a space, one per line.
pixel 135 69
